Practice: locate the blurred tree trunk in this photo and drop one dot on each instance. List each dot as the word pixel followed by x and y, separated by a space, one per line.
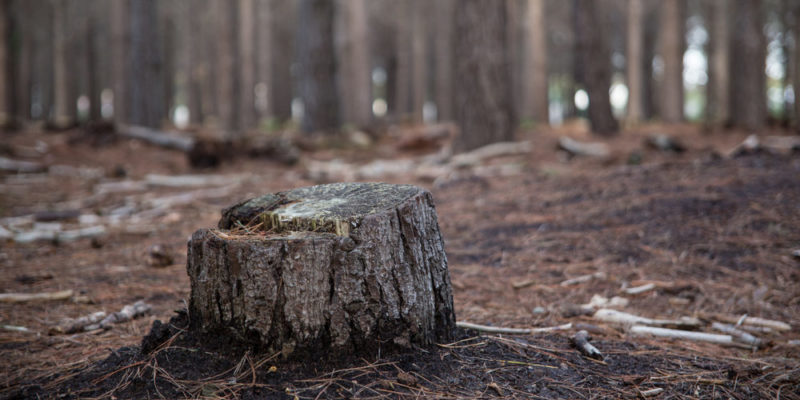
pixel 316 62
pixel 285 25
pixel 145 101
pixel 226 15
pixel 25 28
pixel 633 60
pixel 356 75
pixel 6 79
pixel 534 96
pixel 95 85
pixel 672 43
pixel 64 112
pixel 718 12
pixel 592 55
pixel 403 72
pixel 748 57
pixel 482 81
pixel 515 38
pixel 444 58
pixel 264 58
pixel 796 82
pixel 787 10
pixel 418 59
pixel 247 64
pixel 168 38
pixel 120 46
pixel 196 67
pixel 649 101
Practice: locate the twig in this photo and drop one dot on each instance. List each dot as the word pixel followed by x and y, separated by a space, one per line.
pixel 583 278
pixel 738 334
pixel 754 321
pixel 510 331
pixel 25 297
pixel 651 392
pixel 608 315
pixel 640 289
pixel 70 325
pixel 581 341
pixel 681 334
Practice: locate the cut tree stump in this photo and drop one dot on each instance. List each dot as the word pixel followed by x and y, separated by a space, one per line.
pixel 342 268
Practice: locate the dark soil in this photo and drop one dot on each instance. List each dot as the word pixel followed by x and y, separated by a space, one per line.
pixel 714 234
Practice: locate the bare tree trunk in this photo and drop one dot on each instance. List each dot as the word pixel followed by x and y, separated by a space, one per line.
pixel 317 66
pixel 92 70
pixel 403 71
pixel 649 100
pixel 356 75
pixel 145 102
pixel 592 55
pixel 748 58
pixel 197 66
pixel 247 64
pixel 796 85
pixel 63 110
pixel 515 38
pixel 482 82
pixel 719 64
pixel 6 78
pixel 285 25
pixel 370 276
pixel 633 60
pixel 226 15
pixel 535 98
pixel 672 47
pixel 787 9
pixel 264 59
pixel 168 38
pixel 418 59
pixel 444 59
pixel 120 46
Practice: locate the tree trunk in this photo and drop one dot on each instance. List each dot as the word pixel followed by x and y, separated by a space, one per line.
pixel 633 60
pixel 317 66
pixel 672 48
pixel 145 101
pixel 264 60
pixel 226 76
pixel 284 22
pixel 719 45
pixel 418 59
pixel 748 58
pixel 247 64
pixel 342 268
pixel 649 100
pixel 120 46
pixel 356 75
pixel 796 82
pixel 444 59
pixel 482 82
pixel 168 55
pixel 63 110
pixel 534 98
pixel 403 72
pixel 6 82
pixel 92 71
pixel 592 55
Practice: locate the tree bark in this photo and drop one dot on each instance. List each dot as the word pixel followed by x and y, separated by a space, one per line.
pixel 6 82
pixel 120 46
pixel 226 76
pixel 748 57
pixel 649 100
pixel 356 72
pixel 535 98
pixel 145 100
pixel 633 60
pixel 284 22
pixel 342 268
pixel 317 66
pixel 418 59
pixel 264 60
pixel 482 82
pixel 592 55
pixel 444 59
pixel 719 44
pixel 672 48
pixel 403 72
pixel 796 81
pixel 247 64
pixel 63 110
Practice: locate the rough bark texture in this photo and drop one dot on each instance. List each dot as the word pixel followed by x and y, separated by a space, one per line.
pixel 482 80
pixel 343 268
pixel 592 54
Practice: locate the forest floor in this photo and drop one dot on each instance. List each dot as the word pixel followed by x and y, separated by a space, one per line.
pixel 713 236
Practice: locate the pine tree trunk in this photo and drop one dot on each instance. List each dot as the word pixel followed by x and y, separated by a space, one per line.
pixel 62 108
pixel 633 60
pixel 247 64
pixel 482 81
pixel 227 95
pixel 672 47
pixel 444 59
pixel 418 59
pixel 535 100
pixel 284 22
pixel 343 268
pixel 748 58
pixel 719 43
pixel 356 71
pixel 120 46
pixel 317 66
pixel 145 100
pixel 593 56
pixel 263 58
pixel 796 85
pixel 6 83
pixel 403 73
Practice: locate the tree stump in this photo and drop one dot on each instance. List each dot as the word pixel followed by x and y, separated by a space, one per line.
pixel 342 268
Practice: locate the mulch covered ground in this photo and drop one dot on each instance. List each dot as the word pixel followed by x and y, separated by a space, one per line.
pixel 715 236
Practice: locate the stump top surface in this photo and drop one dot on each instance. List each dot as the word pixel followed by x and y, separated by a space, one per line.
pixel 322 208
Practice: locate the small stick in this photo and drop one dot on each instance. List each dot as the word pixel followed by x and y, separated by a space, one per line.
pixel 523 284
pixel 581 341
pixel 609 315
pixel 510 331
pixel 583 278
pixel 680 334
pixel 78 324
pixel 739 334
pixel 640 289
pixel 25 297
pixel 755 321
pixel 651 392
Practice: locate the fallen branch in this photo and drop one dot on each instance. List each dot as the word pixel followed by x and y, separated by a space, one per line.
pixel 753 321
pixel 681 334
pixel 129 312
pixel 651 392
pixel 179 181
pixel 583 278
pixel 640 289
pixel 26 297
pixel 608 315
pixel 7 164
pixel 70 325
pixel 577 148
pixel 510 331
pixel 581 341
pixel 58 235
pixel 738 334
pixel 493 150
pixel 158 138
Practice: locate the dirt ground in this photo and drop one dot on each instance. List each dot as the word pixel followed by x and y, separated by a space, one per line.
pixel 714 234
